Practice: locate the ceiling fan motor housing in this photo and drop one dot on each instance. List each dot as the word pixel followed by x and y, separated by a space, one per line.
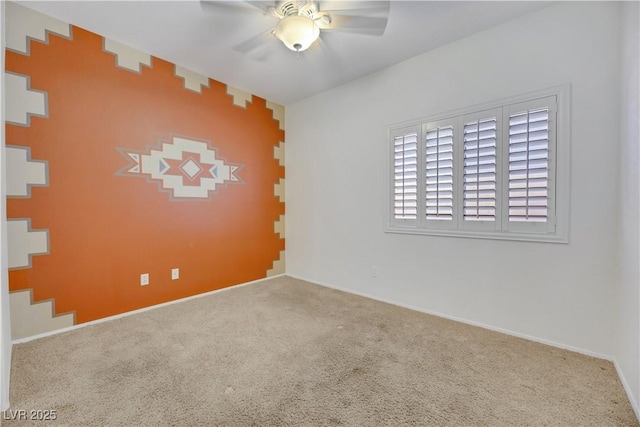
pixel 306 8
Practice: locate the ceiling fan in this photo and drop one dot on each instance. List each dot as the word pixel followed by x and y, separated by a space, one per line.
pixel 300 22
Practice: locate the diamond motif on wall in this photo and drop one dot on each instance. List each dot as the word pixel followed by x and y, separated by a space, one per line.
pixel 185 168
pixel 191 168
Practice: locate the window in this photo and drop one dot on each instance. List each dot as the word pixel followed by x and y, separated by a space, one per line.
pixel 498 171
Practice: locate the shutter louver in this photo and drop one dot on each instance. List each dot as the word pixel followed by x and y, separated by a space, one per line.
pixel 479 175
pixel 529 166
pixel 439 173
pixel 405 192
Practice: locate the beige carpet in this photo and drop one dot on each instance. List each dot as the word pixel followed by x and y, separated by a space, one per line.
pixel 287 352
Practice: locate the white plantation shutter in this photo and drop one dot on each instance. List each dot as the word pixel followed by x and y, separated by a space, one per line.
pixel 531 135
pixel 529 165
pixel 405 175
pixel 480 170
pixel 499 170
pixel 439 170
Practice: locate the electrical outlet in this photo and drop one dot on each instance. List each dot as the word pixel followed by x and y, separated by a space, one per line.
pixel 374 271
pixel 175 273
pixel 144 279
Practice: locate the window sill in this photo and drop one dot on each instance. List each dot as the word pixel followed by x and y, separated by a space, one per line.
pixel 495 235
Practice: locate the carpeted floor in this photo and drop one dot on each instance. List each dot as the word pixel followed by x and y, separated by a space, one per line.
pixel 287 352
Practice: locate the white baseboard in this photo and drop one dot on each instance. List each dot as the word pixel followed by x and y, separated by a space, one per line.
pixel 141 310
pixel 627 389
pixel 466 321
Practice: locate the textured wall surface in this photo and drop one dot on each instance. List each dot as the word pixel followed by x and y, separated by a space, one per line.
pixel 120 163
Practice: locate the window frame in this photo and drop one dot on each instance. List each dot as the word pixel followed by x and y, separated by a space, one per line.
pixel 555 230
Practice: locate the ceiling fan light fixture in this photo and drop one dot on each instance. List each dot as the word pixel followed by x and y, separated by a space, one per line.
pixel 297 32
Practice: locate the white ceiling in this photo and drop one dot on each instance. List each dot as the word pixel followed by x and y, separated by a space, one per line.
pixel 184 33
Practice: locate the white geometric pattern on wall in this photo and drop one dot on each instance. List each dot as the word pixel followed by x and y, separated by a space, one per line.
pixel 278 266
pixel 23 243
pixel 29 318
pixel 278 189
pixel 240 97
pixel 277 112
pixel 192 80
pixel 23 25
pixel 187 169
pixel 278 226
pixel 22 102
pixel 278 153
pixel 23 173
pixel 127 57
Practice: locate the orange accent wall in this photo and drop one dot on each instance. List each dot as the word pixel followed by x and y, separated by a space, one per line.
pixel 106 229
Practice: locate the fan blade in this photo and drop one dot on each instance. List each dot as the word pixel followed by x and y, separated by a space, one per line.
pixel 358 25
pixel 266 7
pixel 256 42
pixel 317 47
pixel 356 8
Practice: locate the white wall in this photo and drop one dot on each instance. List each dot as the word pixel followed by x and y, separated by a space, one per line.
pixel 336 177
pixel 5 327
pixel 627 326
